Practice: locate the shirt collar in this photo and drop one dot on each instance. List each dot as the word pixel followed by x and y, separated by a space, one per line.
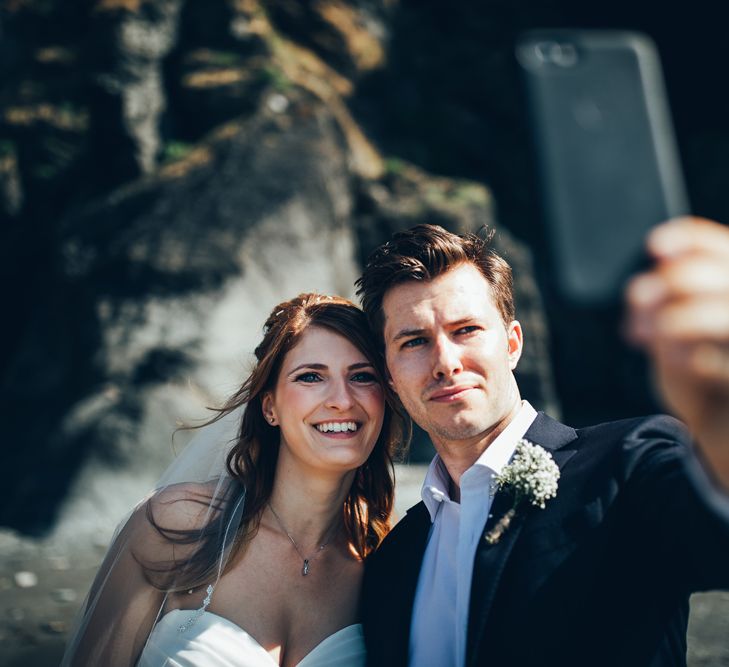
pixel 494 458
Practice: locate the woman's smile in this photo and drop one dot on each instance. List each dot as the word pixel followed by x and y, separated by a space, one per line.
pixel 338 429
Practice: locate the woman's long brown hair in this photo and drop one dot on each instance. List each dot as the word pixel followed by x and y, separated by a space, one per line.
pixel 252 460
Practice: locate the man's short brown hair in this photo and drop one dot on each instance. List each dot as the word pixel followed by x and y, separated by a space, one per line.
pixel 424 252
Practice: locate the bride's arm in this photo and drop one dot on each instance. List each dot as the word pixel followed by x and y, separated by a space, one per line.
pixel 123 604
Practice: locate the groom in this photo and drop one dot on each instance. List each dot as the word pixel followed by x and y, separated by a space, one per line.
pixel 601 574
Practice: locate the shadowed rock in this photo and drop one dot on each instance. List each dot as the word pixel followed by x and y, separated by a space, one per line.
pixel 159 293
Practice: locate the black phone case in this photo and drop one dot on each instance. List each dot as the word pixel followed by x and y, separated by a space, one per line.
pixel 607 158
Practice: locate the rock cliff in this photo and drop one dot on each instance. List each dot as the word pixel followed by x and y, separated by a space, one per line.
pixel 184 166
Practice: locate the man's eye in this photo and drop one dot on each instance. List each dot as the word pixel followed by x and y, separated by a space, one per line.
pixel 308 377
pixel 468 329
pixel 414 342
pixel 364 377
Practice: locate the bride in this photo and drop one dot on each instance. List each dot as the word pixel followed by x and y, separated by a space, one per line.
pixel 251 553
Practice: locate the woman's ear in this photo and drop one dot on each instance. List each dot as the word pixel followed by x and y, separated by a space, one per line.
pixel 269 413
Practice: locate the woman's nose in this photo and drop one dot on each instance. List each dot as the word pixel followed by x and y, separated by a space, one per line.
pixel 340 396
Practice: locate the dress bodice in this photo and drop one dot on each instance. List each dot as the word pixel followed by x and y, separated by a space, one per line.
pixel 214 641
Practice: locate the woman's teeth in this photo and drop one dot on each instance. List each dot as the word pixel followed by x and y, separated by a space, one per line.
pixel 337 427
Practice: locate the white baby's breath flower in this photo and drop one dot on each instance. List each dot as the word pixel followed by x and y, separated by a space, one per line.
pixel 531 476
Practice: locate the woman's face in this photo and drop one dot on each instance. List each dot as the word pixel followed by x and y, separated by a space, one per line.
pixel 327 402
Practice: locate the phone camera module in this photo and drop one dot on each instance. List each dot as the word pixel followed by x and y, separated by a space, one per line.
pixel 561 54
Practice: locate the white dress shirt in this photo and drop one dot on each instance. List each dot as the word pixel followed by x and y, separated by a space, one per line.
pixel 440 613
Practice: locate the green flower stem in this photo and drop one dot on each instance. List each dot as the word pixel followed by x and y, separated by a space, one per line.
pixel 494 535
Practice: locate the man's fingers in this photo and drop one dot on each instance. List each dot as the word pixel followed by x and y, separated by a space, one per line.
pixel 689 276
pixel 689 235
pixel 687 320
pixel 695 320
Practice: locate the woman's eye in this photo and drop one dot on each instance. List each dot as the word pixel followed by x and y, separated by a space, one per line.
pixel 308 377
pixel 365 377
pixel 414 342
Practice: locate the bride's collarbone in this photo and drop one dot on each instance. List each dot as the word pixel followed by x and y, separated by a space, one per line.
pixel 276 584
pixel 274 562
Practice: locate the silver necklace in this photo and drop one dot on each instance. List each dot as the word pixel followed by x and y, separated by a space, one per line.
pixel 305 566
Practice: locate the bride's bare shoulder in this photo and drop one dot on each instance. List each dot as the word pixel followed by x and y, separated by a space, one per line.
pixel 170 518
pixel 186 506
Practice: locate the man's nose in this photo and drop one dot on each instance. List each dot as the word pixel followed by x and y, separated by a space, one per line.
pixel 340 395
pixel 447 359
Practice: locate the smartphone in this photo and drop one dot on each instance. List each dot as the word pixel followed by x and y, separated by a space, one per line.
pixel 607 161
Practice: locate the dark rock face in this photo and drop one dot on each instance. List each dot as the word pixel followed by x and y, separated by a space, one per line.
pixel 349 36
pixel 208 156
pixel 260 212
pixel 128 91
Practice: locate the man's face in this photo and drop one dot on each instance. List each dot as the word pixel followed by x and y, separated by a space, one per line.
pixel 450 357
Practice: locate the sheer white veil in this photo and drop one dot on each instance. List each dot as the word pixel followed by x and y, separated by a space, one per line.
pixel 119 612
pixel 203 458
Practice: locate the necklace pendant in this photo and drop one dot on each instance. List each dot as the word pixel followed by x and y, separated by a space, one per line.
pixel 305 569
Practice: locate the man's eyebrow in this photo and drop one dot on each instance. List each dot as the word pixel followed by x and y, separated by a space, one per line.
pixel 407 333
pixel 463 320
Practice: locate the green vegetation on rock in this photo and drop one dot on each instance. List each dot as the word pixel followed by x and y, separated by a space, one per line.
pixel 176 150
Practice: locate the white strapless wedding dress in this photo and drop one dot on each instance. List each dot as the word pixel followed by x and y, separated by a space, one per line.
pixel 214 641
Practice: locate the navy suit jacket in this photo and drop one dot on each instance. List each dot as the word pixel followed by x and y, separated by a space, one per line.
pixel 600 577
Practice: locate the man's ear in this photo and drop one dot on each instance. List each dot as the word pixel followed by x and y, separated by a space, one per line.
pixel 516 343
pixel 388 379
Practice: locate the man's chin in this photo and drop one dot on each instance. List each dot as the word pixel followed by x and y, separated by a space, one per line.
pixel 460 432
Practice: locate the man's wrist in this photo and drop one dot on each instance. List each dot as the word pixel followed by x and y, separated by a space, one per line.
pixel 707 484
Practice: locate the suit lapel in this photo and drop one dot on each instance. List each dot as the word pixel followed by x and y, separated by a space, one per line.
pixel 490 560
